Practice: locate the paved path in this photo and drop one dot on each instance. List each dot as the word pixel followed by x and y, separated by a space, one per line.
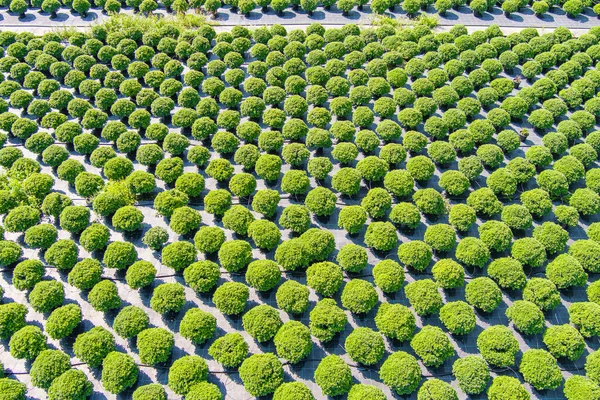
pixel 37 21
pixel 462 16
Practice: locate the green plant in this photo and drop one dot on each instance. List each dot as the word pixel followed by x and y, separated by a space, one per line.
pixel 41 236
pixel 130 322
pixel 93 346
pixel 119 372
pixel 577 386
pixel 564 341
pixel 433 388
pixel 448 274
pixel 20 218
pixel 261 374
pixel 326 320
pixel 155 238
pixel 591 367
pixel 179 255
pixel 119 255
pixel 483 293
pixel 358 296
pixel 231 297
pixel 539 369
pixel 458 317
pixel 63 321
pixel 324 277
pixel 472 373
pixel 47 295
pixel 27 343
pixel 424 296
pixel 48 365
pixel 293 342
pixel 263 275
pixel 229 350
pixel 333 376
pixel 186 372
pixel 401 372
pixel 154 345
pixel 498 346
pixel 27 273
pixel 85 274
pixel 104 296
pixel 71 384
pixel 168 297
pixel 507 384
pixel 432 345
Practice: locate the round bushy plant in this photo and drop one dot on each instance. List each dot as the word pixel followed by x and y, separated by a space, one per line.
pixel 507 384
pixel 388 276
pixel 179 255
pixel 324 277
pixel 104 296
pixel 564 341
pixel 27 343
pixel 586 253
pixel 261 374
pixel 85 274
pixel 229 350
pixel 12 318
pixel 441 237
pixel 71 384
pixel 186 372
pixel 93 346
pixel 458 317
pixel 539 368
pixel 580 387
pixel 565 271
pixel 359 296
pixel 41 236
pixel 292 297
pixel 462 217
pixel 16 389
pixel 48 365
pixel 415 254
pixel 429 201
pixel 155 238
pixel 119 255
pixel 231 297
pixel 483 293
pixel 472 252
pixel 395 321
pixel 326 320
pixel 424 296
pixel 168 297
pixel 154 345
pixel 130 322
pixel 333 376
pixel 119 372
pixel 63 321
pixel 526 317
pixel 498 346
pixel 209 239
pixel 448 274
pixel 293 342
pixel 401 372
pixel 432 345
pixel 508 273
pixel 542 292
pixel 472 374
pixel 47 295
pixel 27 273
